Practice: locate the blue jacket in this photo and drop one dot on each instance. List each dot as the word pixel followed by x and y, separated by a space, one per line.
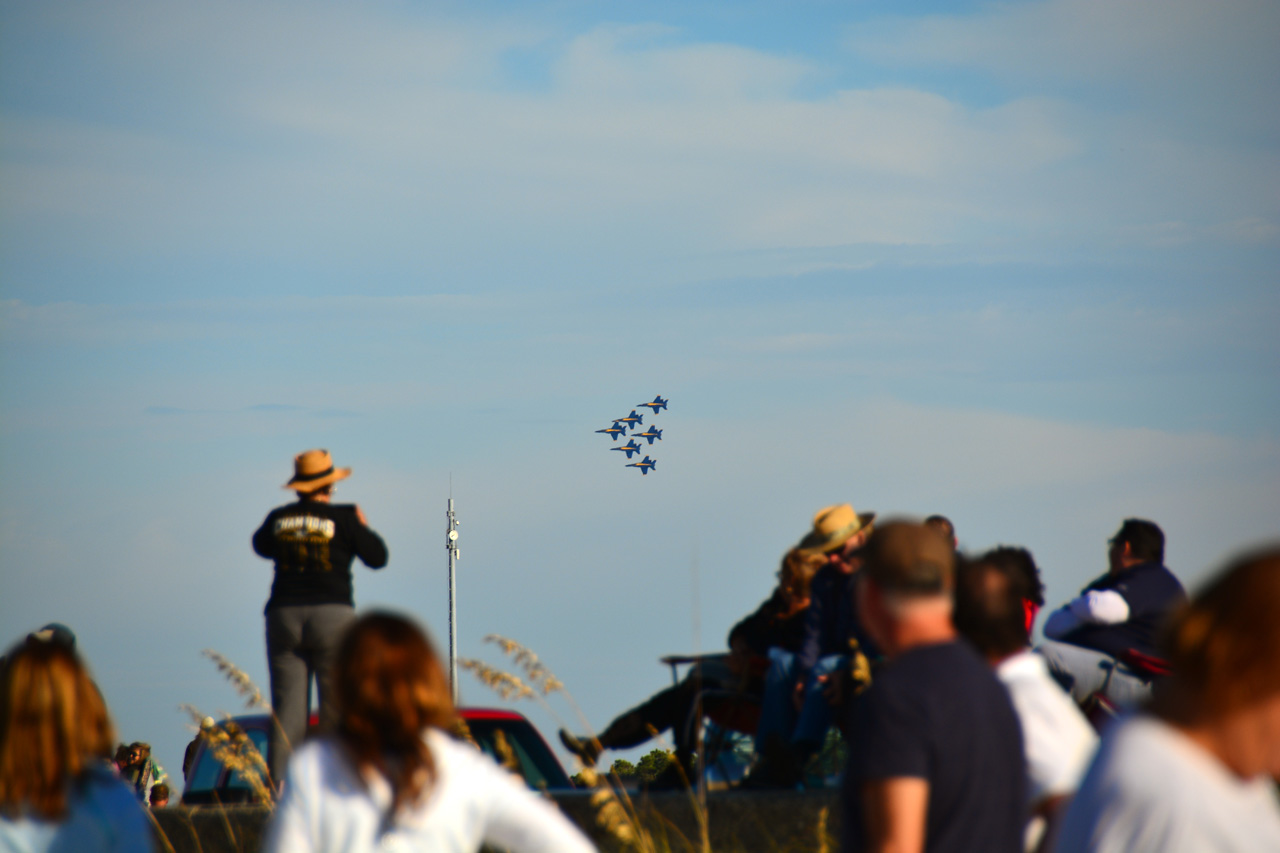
pixel 831 620
pixel 1151 591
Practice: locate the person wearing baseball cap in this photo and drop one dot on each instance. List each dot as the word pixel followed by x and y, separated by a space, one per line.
pixel 55 632
pixel 312 543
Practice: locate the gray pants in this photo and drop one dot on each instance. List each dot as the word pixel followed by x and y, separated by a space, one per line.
pixel 302 641
pixel 1083 672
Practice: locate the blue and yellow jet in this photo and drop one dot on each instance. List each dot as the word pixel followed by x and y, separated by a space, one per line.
pixel 632 420
pixel 644 465
pixel 651 433
pixel 614 431
pixel 629 448
pixel 657 404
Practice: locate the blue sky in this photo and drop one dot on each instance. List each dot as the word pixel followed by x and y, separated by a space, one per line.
pixel 1016 263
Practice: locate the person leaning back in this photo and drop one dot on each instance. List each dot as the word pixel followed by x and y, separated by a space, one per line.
pixel 312 543
pixel 1116 616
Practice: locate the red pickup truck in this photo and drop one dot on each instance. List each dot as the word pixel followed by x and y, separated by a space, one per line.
pixel 211 783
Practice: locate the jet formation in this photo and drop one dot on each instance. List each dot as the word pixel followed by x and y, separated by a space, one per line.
pixel 657 405
pixel 651 433
pixel 633 422
pixel 644 465
pixel 629 448
pixel 614 431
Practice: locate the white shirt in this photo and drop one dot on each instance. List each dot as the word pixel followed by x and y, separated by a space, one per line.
pixel 1095 607
pixel 1152 789
pixel 326 809
pixel 1056 737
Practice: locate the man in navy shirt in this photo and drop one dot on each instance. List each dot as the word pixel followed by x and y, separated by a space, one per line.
pixel 935 755
pixel 1114 617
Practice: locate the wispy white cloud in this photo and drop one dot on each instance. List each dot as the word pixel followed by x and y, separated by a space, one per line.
pixel 60 324
pixel 850 290
pixel 398 136
pixel 792 343
pixel 1148 45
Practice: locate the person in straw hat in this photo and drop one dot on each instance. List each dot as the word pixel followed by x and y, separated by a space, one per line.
pixel 312 543
pixel 798 700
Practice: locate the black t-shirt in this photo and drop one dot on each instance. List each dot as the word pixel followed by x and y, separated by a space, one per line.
pixel 1151 591
pixel 938 713
pixel 770 626
pixel 313 544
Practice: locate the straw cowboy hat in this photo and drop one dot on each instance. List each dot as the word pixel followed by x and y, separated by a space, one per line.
pixel 833 526
pixel 313 469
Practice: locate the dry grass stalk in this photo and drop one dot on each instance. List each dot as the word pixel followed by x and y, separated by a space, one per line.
pixel 611 814
pixel 534 669
pixel 504 684
pixel 462 731
pixel 235 750
pixel 239 679
pixel 615 812
pixel 506 755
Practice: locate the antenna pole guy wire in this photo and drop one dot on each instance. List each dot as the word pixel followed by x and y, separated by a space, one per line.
pixel 451 543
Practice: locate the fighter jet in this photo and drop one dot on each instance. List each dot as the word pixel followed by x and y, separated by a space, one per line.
pixel 651 433
pixel 629 448
pixel 644 465
pixel 657 404
pixel 614 431
pixel 633 420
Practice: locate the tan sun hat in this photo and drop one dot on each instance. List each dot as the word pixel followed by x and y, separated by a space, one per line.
pixel 832 527
pixel 313 469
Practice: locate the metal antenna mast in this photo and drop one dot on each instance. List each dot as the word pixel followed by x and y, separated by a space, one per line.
pixel 451 543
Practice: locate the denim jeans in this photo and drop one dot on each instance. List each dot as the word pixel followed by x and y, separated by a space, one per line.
pixel 1083 672
pixel 778 715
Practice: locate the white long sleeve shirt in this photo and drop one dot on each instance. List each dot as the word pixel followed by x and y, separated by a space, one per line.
pixel 1096 607
pixel 326 808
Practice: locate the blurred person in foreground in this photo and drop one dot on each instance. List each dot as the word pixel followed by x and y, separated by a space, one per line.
pixel 1197 771
pixel 935 755
pixel 804 691
pixel 312 543
pixel 776 623
pixel 390 777
pixel 58 791
pixel 943 526
pixel 1117 615
pixel 993 594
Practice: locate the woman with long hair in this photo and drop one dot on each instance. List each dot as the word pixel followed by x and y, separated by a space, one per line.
pixel 391 774
pixel 57 788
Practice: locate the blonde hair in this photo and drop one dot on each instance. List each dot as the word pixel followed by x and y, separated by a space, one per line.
pixel 53 727
pixel 797 571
